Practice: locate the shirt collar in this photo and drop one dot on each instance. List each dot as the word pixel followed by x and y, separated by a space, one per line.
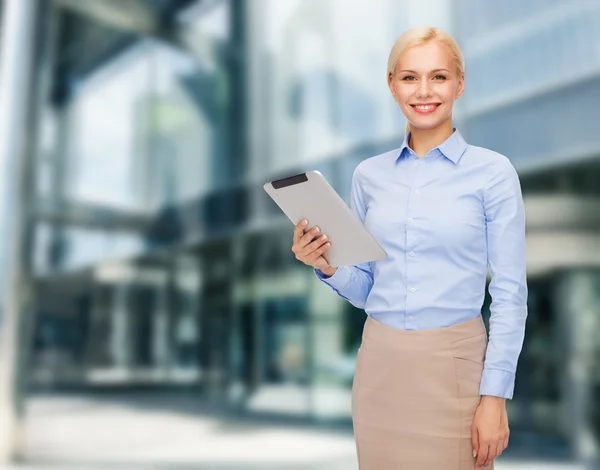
pixel 452 148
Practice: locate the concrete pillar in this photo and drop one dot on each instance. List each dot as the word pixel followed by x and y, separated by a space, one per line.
pixel 162 310
pixel 577 297
pixel 17 50
pixel 120 340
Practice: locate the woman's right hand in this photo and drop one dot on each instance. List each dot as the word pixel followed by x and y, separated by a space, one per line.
pixel 311 252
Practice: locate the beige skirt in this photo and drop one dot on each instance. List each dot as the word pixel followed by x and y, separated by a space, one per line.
pixel 414 396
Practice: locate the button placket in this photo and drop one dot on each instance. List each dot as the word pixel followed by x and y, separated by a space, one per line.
pixel 410 240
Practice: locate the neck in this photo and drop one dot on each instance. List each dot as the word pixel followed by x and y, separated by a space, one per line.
pixel 423 140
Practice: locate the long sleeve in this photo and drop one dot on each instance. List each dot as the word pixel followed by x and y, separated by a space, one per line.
pixel 505 221
pixel 352 283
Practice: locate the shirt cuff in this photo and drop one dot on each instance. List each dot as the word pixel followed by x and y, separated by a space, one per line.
pixel 498 383
pixel 340 278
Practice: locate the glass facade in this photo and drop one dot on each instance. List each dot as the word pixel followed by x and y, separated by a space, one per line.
pixel 318 79
pixel 142 130
pixel 498 41
pixel 532 67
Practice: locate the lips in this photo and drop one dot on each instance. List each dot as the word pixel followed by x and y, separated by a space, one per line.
pixel 425 108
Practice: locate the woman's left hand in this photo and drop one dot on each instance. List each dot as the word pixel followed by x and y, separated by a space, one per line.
pixel 489 431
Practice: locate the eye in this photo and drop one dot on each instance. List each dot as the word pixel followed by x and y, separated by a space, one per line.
pixel 411 77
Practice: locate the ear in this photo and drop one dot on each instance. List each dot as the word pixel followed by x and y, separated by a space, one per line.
pixel 461 86
pixel 390 80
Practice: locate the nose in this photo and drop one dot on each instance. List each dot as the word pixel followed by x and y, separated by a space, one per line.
pixel 423 90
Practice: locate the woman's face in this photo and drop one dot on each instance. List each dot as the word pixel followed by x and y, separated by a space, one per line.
pixel 425 75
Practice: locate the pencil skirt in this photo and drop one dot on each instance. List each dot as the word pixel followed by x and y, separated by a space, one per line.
pixel 414 396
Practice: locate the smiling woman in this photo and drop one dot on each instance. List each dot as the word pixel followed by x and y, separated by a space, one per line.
pixel 428 392
pixel 425 73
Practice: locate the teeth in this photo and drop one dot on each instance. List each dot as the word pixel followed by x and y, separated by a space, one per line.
pixel 426 108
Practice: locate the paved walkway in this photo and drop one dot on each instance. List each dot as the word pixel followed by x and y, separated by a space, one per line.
pixel 93 434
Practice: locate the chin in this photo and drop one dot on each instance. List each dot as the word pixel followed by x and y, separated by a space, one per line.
pixel 426 126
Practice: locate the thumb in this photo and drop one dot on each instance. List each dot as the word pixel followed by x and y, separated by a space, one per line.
pixel 475 440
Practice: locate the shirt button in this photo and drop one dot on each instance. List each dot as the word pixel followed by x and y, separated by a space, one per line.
pixel 411 317
pixel 410 221
pixel 413 289
pixel 412 253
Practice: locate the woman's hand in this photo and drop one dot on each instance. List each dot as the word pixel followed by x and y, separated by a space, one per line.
pixel 489 431
pixel 309 251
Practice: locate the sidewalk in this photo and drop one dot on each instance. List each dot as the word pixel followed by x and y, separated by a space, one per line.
pixel 349 465
pixel 91 434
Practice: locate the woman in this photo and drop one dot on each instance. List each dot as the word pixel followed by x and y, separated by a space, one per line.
pixel 430 390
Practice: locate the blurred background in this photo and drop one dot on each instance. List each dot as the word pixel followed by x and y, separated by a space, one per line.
pixel 153 314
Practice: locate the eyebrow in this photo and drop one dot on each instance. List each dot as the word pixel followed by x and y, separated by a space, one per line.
pixel 433 71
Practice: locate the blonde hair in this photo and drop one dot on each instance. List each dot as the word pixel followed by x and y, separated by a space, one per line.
pixel 422 35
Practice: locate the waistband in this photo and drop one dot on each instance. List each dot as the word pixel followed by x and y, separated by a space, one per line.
pixel 383 333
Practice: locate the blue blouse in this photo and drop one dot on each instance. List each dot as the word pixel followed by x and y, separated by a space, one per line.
pixel 443 219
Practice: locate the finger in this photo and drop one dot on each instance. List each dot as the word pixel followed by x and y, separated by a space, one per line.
pixel 491 455
pixel 499 448
pixel 474 440
pixel 310 235
pixel 300 245
pixel 307 238
pixel 315 245
pixel 482 455
pixel 299 230
pixel 506 443
pixel 317 254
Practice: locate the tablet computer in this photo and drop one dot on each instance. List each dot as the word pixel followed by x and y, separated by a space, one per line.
pixel 310 196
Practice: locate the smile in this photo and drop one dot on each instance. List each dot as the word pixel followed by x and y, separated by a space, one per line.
pixel 425 108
